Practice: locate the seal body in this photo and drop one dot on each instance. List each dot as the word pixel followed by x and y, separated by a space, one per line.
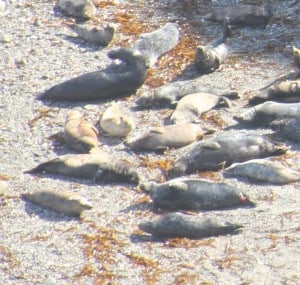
pixel 170 136
pixel 98 166
pixel 155 44
pixel 79 134
pixel 78 8
pixel 177 225
pixel 195 194
pixel 222 151
pixel 264 171
pixel 263 114
pixel 66 201
pixel 114 123
pixel 191 106
pixel 168 94
pixel 287 129
pixel 114 81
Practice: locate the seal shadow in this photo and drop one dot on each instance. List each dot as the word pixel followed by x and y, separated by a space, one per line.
pixel 141 238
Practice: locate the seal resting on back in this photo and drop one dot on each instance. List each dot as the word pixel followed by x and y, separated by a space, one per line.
pixel 116 80
pixel 178 225
pixel 195 195
pixel 223 150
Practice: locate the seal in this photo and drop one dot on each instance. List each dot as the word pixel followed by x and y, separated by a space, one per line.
pixel 98 166
pixel 243 15
pixel 157 43
pixel 114 123
pixel 170 136
pixel 178 225
pixel 191 106
pixel 223 150
pixel 296 56
pixel 93 35
pixel 195 195
pixel 210 57
pixel 80 8
pixel 66 202
pixel 287 129
pixel 116 80
pixel 79 134
pixel 263 114
pixel 264 171
pixel 170 93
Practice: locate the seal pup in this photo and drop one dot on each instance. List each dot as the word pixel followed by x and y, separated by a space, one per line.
pixel 79 134
pixel 116 80
pixel 170 93
pixel 92 34
pixel 178 225
pixel 287 128
pixel 264 171
pixel 210 57
pixel 99 166
pixel 191 106
pixel 66 201
pixel 114 123
pixel 263 114
pixel 157 43
pixel 195 195
pixel 79 8
pixel 296 56
pixel 223 150
pixel 243 15
pixel 170 136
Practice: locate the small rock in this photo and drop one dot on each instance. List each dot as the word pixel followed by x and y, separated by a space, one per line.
pixel 4 38
pixel 78 8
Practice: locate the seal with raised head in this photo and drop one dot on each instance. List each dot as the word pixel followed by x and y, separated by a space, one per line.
pixel 170 136
pixel 66 201
pixel 264 171
pixel 195 195
pixel 178 225
pixel 116 80
pixel 114 123
pixel 191 106
pixel 170 93
pixel 287 129
pixel 155 44
pixel 98 166
pixel 263 114
pixel 79 134
pixel 223 150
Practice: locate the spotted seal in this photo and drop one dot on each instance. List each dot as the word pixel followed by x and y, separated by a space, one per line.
pixel 223 150
pixel 155 44
pixel 264 171
pixel 66 201
pixel 79 134
pixel 99 166
pixel 170 136
pixel 116 80
pixel 178 225
pixel 195 194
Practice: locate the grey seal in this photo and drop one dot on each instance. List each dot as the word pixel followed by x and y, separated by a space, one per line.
pixel 78 8
pixel 287 128
pixel 223 150
pixel 116 80
pixel 178 225
pixel 195 195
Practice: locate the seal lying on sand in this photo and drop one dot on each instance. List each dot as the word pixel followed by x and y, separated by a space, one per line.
pixel 287 129
pixel 169 94
pixel 210 57
pixel 94 35
pixel 98 166
pixel 171 136
pixel 116 80
pixel 155 44
pixel 79 134
pixel 67 202
pixel 223 150
pixel 243 15
pixel 263 114
pixel 195 194
pixel 285 92
pixel 177 225
pixel 191 106
pixel 264 170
